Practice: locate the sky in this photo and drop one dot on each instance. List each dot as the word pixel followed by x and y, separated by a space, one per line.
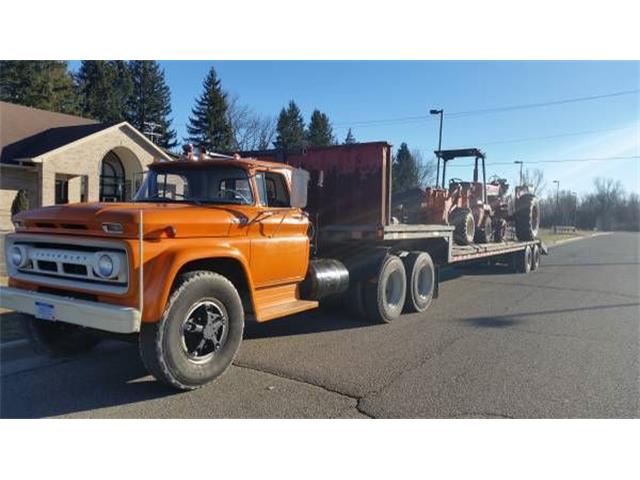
pixel 375 99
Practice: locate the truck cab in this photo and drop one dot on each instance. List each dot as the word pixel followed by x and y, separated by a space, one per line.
pixel 202 245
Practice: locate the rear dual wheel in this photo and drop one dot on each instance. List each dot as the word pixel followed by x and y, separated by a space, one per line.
pixel 403 283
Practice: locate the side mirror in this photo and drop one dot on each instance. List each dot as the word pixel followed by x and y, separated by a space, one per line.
pixel 299 184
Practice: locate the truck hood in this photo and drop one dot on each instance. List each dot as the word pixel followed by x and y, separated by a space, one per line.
pixel 159 219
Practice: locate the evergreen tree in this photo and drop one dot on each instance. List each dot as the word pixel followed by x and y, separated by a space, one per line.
pixel 290 129
pixel 406 170
pixel 45 84
pixel 209 123
pixel 320 133
pixel 150 101
pixel 105 87
pixel 350 139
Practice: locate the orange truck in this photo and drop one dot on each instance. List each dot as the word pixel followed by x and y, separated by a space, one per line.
pixel 207 245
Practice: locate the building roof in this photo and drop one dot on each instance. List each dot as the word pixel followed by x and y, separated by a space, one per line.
pixel 27 133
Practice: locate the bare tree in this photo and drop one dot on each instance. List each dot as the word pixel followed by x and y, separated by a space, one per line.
pixel 251 131
pixel 427 170
pixel 535 179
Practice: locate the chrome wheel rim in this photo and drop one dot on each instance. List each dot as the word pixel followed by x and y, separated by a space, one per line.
pixel 204 330
pixel 393 288
pixel 424 283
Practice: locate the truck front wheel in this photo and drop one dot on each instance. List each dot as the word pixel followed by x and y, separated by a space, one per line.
pixel 57 339
pixel 198 335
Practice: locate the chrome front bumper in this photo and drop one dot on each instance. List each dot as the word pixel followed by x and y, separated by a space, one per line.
pixel 101 316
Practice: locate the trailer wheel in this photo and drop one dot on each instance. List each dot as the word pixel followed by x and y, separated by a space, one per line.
pixel 465 226
pixel 527 217
pixel 522 260
pixel 485 234
pixel 57 339
pixel 420 281
pixel 385 297
pixel 535 258
pixel 198 335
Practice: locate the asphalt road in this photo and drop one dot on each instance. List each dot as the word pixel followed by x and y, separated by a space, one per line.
pixel 561 342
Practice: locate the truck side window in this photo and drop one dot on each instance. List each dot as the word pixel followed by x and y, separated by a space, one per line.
pixel 272 189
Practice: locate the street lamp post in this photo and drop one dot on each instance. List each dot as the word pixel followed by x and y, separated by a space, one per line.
pixel 521 163
pixel 557 182
pixel 438 112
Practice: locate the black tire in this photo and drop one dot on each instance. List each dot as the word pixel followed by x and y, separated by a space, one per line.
pixel 522 260
pixel 354 299
pixel 167 346
pixel 58 339
pixel 535 258
pixel 465 226
pixel 484 234
pixel 527 217
pixel 421 279
pixel 384 298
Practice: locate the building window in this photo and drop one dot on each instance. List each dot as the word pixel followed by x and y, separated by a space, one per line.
pixel 112 179
pixel 62 191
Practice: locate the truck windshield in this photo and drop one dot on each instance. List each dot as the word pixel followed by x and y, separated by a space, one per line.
pixel 194 184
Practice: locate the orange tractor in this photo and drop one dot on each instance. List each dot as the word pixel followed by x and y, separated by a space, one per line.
pixel 479 211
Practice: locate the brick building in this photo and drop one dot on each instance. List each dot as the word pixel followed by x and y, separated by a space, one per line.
pixel 60 158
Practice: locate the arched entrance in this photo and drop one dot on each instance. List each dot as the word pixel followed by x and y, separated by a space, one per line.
pixel 120 175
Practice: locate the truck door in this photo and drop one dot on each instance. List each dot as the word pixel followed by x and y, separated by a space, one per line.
pixel 279 241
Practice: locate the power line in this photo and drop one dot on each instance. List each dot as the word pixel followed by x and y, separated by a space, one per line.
pixel 453 115
pixel 547 137
pixel 542 104
pixel 564 160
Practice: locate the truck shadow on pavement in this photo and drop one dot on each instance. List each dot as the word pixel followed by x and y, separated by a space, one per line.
pixel 513 319
pixel 315 321
pixel 84 383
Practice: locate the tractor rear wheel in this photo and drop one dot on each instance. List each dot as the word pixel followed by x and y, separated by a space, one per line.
pixel 465 226
pixel 527 217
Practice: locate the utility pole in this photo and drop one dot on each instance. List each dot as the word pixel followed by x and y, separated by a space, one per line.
pixel 441 113
pixel 557 182
pixel 521 163
pixel 575 209
pixel 151 130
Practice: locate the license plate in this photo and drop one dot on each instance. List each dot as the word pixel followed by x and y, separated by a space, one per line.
pixel 45 311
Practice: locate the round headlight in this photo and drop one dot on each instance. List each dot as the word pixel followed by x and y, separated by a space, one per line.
pixel 17 255
pixel 105 266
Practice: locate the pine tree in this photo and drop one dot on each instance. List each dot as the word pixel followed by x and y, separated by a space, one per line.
pixel 105 87
pixel 320 133
pixel 43 84
pixel 150 101
pixel 209 124
pixel 406 170
pixel 290 129
pixel 350 139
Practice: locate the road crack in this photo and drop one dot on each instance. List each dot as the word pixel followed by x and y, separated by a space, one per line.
pixel 296 379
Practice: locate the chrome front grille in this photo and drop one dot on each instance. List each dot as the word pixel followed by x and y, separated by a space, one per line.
pixel 67 262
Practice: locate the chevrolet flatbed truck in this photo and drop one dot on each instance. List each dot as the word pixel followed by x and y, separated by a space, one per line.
pixel 206 245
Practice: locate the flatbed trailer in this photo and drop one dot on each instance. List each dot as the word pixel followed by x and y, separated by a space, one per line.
pixel 372 253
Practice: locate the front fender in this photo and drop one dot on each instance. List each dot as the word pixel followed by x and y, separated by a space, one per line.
pixel 161 270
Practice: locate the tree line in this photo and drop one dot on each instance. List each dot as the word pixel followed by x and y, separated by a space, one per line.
pixel 606 207
pixel 112 91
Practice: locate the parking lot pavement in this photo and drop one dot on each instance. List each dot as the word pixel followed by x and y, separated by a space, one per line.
pixel 561 342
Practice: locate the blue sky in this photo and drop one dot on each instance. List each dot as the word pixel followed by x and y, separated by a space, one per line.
pixel 352 92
